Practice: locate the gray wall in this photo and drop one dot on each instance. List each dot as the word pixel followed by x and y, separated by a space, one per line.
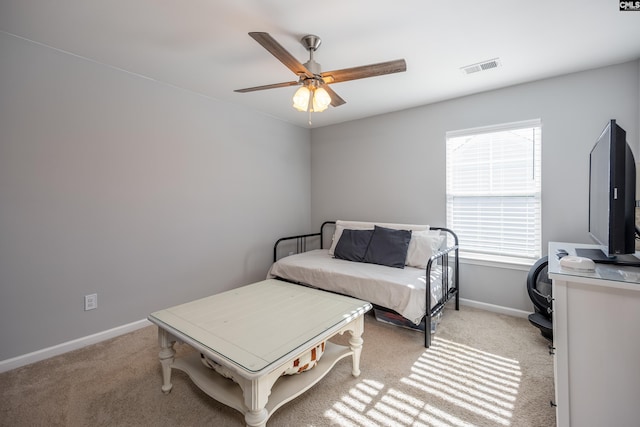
pixel 145 194
pixel 392 167
pixel 149 195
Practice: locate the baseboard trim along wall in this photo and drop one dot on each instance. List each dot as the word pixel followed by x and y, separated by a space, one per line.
pixel 37 356
pixel 495 308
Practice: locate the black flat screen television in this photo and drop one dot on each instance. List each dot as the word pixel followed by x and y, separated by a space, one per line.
pixel 612 195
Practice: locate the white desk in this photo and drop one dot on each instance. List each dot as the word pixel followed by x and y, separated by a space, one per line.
pixel 254 331
pixel 596 335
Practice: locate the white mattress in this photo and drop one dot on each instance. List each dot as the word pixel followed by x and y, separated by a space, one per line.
pixel 402 290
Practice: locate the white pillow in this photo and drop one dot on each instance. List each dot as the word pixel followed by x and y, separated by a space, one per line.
pixel 361 225
pixel 423 244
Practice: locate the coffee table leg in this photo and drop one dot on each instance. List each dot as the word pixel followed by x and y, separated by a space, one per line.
pixel 256 418
pixel 166 355
pixel 256 392
pixel 355 343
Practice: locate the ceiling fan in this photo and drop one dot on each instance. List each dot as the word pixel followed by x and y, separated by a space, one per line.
pixel 315 94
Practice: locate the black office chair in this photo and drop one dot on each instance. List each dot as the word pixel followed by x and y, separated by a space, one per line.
pixel 539 289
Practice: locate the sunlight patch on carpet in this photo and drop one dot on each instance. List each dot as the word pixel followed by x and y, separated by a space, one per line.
pixel 483 384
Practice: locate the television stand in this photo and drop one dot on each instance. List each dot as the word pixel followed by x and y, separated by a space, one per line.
pixel 600 257
pixel 595 340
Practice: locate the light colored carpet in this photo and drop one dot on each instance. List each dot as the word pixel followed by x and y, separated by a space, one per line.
pixel 484 369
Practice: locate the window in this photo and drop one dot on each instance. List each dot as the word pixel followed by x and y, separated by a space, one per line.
pixel 493 190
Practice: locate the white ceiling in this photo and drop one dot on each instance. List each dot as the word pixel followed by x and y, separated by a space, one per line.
pixel 203 46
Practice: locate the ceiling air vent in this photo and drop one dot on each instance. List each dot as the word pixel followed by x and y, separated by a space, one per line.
pixel 481 66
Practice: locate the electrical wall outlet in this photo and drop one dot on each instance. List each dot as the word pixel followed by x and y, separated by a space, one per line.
pixel 90 302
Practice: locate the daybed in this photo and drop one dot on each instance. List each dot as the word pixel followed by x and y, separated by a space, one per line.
pixel 366 265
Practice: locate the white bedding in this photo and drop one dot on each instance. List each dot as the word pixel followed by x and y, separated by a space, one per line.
pixel 402 290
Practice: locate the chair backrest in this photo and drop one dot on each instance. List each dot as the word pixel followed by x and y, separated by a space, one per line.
pixel 539 287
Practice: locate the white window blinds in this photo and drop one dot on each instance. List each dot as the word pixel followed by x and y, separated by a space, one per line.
pixel 493 189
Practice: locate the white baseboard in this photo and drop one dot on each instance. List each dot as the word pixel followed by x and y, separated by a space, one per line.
pixel 495 308
pixel 36 356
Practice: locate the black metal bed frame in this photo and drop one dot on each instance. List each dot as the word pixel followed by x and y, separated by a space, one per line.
pixel 441 258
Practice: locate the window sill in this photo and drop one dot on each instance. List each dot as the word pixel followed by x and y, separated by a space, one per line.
pixel 497 261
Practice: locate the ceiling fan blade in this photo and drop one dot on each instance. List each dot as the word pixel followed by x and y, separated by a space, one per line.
pixel 280 53
pixel 364 71
pixel 272 86
pixel 336 100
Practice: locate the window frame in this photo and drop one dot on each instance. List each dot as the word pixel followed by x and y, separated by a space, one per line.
pixel 490 259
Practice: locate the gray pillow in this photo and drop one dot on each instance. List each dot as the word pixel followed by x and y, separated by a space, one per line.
pixel 388 247
pixel 353 244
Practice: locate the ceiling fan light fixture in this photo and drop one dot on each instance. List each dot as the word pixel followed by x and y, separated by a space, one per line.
pixel 301 98
pixel 321 100
pixel 311 98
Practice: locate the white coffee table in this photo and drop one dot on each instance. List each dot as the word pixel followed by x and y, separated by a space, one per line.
pixel 255 332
